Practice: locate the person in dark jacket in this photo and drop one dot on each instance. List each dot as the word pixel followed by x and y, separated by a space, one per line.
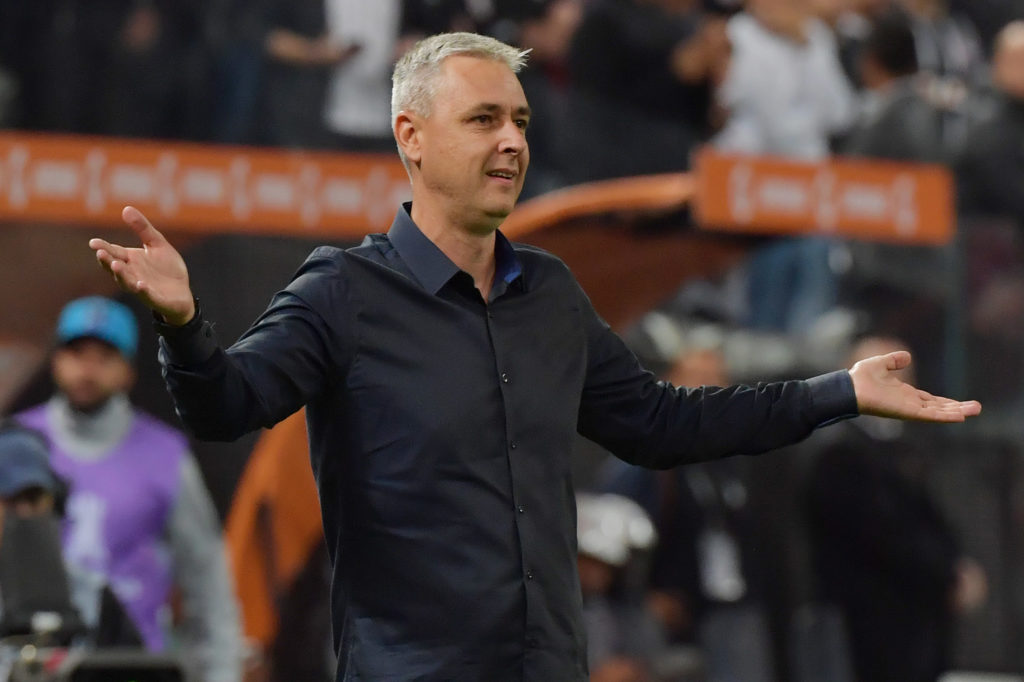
pixel 883 551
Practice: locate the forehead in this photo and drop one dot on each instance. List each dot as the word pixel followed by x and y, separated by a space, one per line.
pixel 467 81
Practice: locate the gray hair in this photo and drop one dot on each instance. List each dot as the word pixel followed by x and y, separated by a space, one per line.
pixel 414 82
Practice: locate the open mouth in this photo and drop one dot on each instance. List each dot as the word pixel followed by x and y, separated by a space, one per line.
pixel 502 174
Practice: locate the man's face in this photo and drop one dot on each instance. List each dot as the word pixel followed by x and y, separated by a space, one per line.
pixel 472 152
pixel 28 503
pixel 89 372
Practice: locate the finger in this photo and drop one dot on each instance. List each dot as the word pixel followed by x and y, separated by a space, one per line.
pixel 106 261
pixel 897 360
pixel 147 234
pixel 115 250
pixel 125 277
pixel 970 408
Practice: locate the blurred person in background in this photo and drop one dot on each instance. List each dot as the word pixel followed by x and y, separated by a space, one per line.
pixel 624 639
pixel 990 169
pixel 785 94
pixel 704 585
pixel 896 120
pixel 32 502
pixel 139 517
pixel 301 55
pixel 123 67
pixel 640 74
pixel 950 53
pixel 883 552
pixel 850 21
pixel 356 110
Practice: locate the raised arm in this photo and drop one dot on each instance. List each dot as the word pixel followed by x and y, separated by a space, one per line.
pixel 297 347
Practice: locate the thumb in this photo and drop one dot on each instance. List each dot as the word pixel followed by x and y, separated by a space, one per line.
pixel 148 235
pixel 897 360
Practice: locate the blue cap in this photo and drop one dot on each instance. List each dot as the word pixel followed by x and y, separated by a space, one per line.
pixel 99 318
pixel 24 462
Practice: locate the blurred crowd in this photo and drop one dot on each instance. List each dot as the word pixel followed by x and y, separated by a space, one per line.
pixel 679 570
pixel 796 78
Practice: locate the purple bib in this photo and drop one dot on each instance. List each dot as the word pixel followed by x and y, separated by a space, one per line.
pixel 117 515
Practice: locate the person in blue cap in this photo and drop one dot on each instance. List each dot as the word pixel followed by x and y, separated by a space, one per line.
pixel 139 517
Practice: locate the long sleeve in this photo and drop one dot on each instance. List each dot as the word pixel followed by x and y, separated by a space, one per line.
pixel 657 425
pixel 211 624
pixel 290 355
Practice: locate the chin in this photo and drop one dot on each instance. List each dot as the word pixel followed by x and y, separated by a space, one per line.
pixel 88 404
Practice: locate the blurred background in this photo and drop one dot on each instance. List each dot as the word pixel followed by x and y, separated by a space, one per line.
pixel 872 551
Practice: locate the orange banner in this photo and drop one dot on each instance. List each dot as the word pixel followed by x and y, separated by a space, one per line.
pixel 873 200
pixel 193 187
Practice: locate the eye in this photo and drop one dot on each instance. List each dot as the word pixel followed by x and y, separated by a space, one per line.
pixel 522 123
pixel 483 119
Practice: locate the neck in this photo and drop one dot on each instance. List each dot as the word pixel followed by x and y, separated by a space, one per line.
pixel 470 247
pixel 90 435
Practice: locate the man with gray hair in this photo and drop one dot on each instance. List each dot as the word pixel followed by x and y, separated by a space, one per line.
pixel 445 372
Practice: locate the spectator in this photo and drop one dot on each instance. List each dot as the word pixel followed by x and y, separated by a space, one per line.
pixel 121 67
pixel 139 517
pixel 33 575
pixel 236 32
pixel 950 52
pixel 883 552
pixel 624 640
pixel 990 170
pixel 850 21
pixel 786 95
pixel 646 100
pixel 357 109
pixel 301 52
pixel 785 91
pixel 896 121
pixel 703 586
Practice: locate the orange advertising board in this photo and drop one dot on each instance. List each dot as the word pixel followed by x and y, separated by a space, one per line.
pixel 872 200
pixel 194 187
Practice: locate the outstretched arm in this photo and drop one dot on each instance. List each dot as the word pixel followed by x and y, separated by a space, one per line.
pixel 154 272
pixel 881 393
pixel 287 357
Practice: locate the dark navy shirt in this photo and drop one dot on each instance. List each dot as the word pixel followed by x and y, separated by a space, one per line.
pixel 440 429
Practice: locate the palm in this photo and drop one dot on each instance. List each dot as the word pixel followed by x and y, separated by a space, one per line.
pixel 881 393
pixel 155 272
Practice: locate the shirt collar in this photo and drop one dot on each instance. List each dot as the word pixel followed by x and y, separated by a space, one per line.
pixel 428 263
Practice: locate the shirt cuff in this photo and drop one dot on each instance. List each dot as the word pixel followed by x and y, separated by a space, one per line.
pixel 189 345
pixel 832 398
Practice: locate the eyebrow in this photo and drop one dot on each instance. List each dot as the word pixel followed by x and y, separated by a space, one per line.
pixel 491 108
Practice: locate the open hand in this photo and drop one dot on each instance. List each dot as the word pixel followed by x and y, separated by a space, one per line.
pixel 881 393
pixel 156 272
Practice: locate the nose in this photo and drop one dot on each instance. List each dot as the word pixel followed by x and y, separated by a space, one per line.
pixel 513 139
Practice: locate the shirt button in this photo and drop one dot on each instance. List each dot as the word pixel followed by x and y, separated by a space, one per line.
pixel 521 509
pixel 504 378
pixel 529 575
pixel 513 445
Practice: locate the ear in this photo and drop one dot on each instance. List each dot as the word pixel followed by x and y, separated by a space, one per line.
pixel 407 135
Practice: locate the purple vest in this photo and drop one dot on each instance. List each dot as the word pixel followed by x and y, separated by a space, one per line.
pixel 117 515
